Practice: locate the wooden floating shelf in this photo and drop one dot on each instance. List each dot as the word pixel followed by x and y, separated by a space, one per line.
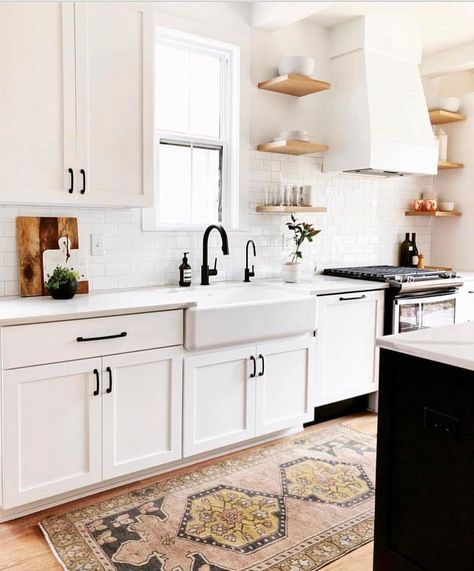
pixel 292 147
pixel 440 117
pixel 435 213
pixel 448 165
pixel 292 84
pixel 290 209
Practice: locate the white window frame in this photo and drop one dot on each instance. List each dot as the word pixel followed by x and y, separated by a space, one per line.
pixel 229 55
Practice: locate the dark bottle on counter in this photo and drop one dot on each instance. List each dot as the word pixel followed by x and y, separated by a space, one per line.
pixel 414 253
pixel 406 252
pixel 185 272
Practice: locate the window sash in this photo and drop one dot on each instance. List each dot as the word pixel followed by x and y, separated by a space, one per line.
pixel 224 87
pixel 228 140
pixel 199 145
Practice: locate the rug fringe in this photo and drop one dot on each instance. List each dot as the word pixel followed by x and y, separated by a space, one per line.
pixel 51 546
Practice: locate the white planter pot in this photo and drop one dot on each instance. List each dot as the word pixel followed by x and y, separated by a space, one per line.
pixel 291 272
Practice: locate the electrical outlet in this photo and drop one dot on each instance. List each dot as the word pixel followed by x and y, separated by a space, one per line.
pixel 97 245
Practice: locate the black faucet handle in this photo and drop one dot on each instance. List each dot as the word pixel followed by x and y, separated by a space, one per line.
pixel 213 272
pixel 252 273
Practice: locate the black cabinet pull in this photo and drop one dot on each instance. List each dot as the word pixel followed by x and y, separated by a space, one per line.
pixel 83 189
pixel 97 382
pixel 83 339
pixel 71 188
pixel 352 298
pixel 252 375
pixel 262 372
pixel 109 388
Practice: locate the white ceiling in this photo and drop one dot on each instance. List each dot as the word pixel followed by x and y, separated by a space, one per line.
pixel 444 24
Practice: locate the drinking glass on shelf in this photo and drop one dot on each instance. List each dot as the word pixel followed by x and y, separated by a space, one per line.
pixel 287 195
pixel 268 195
pixel 279 195
pixel 295 196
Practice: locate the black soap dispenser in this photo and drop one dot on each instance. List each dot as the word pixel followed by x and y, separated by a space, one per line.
pixel 185 272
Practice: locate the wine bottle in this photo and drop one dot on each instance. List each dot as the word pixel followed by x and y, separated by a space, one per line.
pixel 414 253
pixel 405 251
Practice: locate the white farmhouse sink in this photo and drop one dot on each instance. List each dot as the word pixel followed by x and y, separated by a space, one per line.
pixel 245 314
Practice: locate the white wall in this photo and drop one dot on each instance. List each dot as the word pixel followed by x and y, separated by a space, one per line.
pixel 365 220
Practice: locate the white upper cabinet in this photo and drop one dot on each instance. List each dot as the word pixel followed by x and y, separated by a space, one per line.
pixel 37 102
pixel 347 359
pixel 114 71
pixel 76 104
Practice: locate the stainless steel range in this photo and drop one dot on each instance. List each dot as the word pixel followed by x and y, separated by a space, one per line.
pixel 416 299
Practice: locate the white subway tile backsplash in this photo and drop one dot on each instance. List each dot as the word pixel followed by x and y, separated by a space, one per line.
pixel 364 224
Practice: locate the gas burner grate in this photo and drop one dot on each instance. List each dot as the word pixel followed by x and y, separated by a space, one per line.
pixel 386 273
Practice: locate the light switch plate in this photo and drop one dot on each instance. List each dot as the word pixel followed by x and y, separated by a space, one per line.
pixel 97 245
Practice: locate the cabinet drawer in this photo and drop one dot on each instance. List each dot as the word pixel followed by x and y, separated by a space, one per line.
pixel 25 345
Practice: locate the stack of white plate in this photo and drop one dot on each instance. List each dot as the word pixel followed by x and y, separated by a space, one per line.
pixel 295 135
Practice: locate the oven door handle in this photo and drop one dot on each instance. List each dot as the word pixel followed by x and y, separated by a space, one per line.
pixel 425 298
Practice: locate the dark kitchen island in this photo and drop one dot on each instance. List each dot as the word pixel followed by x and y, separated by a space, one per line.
pixel 424 515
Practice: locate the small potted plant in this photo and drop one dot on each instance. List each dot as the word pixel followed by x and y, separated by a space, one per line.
pixel 62 284
pixel 301 231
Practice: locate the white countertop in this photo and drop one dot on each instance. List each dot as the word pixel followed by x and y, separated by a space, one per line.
pixel 468 275
pixel 320 284
pixel 24 310
pixel 452 345
pixel 18 310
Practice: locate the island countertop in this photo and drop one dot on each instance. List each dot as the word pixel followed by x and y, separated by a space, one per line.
pixel 451 345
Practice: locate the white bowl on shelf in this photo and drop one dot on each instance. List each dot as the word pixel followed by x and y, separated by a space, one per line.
pixel 294 135
pixel 450 104
pixel 298 65
pixel 446 206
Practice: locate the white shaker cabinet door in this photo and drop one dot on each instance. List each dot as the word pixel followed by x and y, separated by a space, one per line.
pixel 284 384
pixel 347 359
pixel 51 430
pixel 219 399
pixel 142 410
pixel 37 103
pixel 465 303
pixel 114 74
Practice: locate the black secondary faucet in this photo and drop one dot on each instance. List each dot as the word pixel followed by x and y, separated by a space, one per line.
pixel 247 273
pixel 205 271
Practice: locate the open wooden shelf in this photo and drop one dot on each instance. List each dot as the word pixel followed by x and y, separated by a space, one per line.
pixel 292 84
pixel 292 147
pixel 440 117
pixel 448 165
pixel 290 209
pixel 435 213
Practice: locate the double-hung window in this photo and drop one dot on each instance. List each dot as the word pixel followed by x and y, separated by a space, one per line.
pixel 196 132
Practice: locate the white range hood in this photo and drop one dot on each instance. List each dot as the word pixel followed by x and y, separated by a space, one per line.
pixel 378 122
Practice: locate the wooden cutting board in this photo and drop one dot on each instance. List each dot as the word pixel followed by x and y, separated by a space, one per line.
pixel 34 235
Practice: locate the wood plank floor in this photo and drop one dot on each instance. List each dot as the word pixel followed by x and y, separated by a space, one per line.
pixel 23 547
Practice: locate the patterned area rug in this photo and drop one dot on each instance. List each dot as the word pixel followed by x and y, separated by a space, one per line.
pixel 290 506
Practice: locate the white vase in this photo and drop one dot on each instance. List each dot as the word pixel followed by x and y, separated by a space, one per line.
pixel 291 272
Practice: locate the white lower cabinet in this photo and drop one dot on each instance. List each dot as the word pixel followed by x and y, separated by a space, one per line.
pixel 347 359
pixel 285 391
pixel 465 303
pixel 142 410
pixel 219 399
pixel 237 394
pixel 52 426
pixel 76 423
